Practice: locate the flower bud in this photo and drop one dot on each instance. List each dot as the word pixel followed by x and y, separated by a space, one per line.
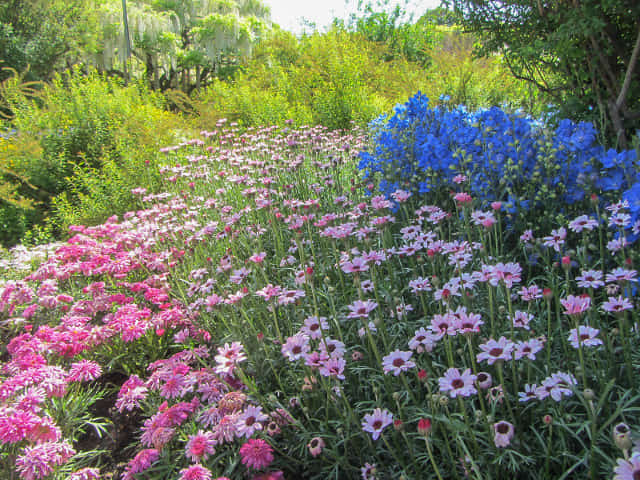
pixel 622 436
pixel 424 426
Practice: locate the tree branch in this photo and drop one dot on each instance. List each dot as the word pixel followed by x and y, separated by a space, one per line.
pixel 627 78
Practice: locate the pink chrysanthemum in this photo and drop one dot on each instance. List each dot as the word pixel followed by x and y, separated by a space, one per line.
pixel 200 446
pixel 256 454
pixel 84 370
pixel 195 472
pixel 85 474
pixel 39 461
pixel 377 421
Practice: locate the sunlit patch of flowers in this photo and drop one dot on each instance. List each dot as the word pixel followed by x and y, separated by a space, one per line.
pixel 276 320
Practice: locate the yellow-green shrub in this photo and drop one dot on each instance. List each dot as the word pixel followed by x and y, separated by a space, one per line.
pixel 83 144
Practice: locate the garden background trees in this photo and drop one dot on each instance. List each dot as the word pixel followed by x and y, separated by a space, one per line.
pixel 584 53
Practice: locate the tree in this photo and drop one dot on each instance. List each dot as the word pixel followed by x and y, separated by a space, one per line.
pixel 181 43
pixel 584 53
pixel 44 35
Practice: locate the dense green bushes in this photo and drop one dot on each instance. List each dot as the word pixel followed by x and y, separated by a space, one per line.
pixel 340 77
pixel 78 149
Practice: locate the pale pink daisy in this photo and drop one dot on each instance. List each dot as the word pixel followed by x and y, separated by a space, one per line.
pixel 458 384
pixel 296 346
pixel 313 327
pixel 521 319
pixel 529 393
pixel 581 223
pixel 556 239
pixel 423 340
pixel 619 275
pixel 628 469
pixel 250 421
pixel 590 279
pixel 527 294
pixel 576 305
pixel 377 421
pixel 528 348
pixel 467 323
pixel 617 305
pixel 584 335
pixel 493 351
pixel 360 309
pixel 368 471
pixel 333 367
pixel 397 362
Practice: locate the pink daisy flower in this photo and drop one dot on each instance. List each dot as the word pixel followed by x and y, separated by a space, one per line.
pixel 397 362
pixel 584 335
pixel 296 346
pixel 313 327
pixel 256 454
pixel 521 319
pixel 360 309
pixel 617 305
pixel 423 340
pixel 377 421
pixel 250 420
pixel 628 469
pixel 528 349
pixel 581 223
pixel 493 350
pixel 590 279
pixel 576 305
pixel 456 383
pixel 556 239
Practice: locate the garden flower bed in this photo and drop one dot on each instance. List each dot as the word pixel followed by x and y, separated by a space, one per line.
pixel 272 314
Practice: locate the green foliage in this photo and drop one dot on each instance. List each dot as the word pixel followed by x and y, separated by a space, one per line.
pixel 340 77
pixel 45 35
pixel 584 54
pixel 81 149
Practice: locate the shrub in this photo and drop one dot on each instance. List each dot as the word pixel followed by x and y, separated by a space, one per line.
pixel 82 145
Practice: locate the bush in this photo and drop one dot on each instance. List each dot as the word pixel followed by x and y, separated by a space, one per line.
pixel 340 77
pixel 82 145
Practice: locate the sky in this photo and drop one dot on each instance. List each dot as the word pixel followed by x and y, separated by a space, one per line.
pixel 289 13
